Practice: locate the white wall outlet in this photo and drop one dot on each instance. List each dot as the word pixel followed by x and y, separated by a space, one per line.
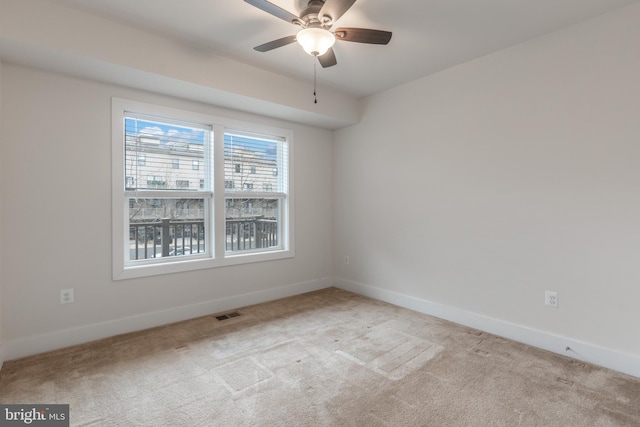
pixel 66 296
pixel 551 299
pixel 346 259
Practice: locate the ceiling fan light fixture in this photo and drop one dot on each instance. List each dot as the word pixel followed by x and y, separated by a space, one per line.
pixel 315 41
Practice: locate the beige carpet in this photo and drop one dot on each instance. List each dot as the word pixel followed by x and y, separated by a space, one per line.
pixel 326 358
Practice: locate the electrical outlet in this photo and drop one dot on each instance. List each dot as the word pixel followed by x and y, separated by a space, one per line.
pixel 346 259
pixel 66 296
pixel 551 299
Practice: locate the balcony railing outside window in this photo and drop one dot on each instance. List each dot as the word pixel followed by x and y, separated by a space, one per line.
pixel 165 238
pixel 168 238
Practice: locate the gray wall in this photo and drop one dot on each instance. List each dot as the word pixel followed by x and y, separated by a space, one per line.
pixel 470 192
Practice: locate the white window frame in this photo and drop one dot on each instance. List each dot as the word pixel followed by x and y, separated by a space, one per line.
pixel 215 256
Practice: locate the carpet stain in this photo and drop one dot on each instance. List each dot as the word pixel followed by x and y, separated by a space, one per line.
pixel 564 381
pixel 390 353
pixel 242 374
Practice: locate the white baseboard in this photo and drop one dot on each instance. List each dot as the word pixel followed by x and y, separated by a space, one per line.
pixel 17 348
pixel 590 353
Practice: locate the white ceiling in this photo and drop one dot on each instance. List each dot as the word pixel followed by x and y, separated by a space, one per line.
pixel 428 35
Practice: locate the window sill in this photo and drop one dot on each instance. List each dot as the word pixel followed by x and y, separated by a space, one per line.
pixel 184 265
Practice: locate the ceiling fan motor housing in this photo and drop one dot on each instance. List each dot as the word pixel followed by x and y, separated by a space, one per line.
pixel 310 15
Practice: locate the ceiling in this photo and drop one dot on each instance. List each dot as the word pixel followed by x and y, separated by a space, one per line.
pixel 428 35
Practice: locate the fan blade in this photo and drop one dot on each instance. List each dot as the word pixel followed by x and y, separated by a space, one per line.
pixel 275 44
pixel 334 9
pixel 328 59
pixel 274 10
pixel 363 35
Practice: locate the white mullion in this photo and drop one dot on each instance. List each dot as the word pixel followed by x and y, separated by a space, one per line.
pixel 288 229
pixel 219 226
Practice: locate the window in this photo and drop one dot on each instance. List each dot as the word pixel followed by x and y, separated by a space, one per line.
pixel 163 225
pixel 252 218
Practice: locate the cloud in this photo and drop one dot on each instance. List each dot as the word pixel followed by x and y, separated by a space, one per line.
pixel 151 131
pixel 165 133
pixel 193 136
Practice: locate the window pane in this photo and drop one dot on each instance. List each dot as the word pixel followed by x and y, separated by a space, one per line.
pixel 166 227
pixel 250 162
pixel 154 151
pixel 252 223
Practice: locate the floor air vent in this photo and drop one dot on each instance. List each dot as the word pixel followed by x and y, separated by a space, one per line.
pixel 228 316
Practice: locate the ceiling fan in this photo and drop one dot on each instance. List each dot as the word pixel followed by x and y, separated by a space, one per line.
pixel 316 36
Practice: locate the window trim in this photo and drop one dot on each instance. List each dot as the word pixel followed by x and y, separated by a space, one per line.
pixel 217 256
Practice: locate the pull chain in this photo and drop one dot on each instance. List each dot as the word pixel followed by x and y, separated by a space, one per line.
pixel 315 98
